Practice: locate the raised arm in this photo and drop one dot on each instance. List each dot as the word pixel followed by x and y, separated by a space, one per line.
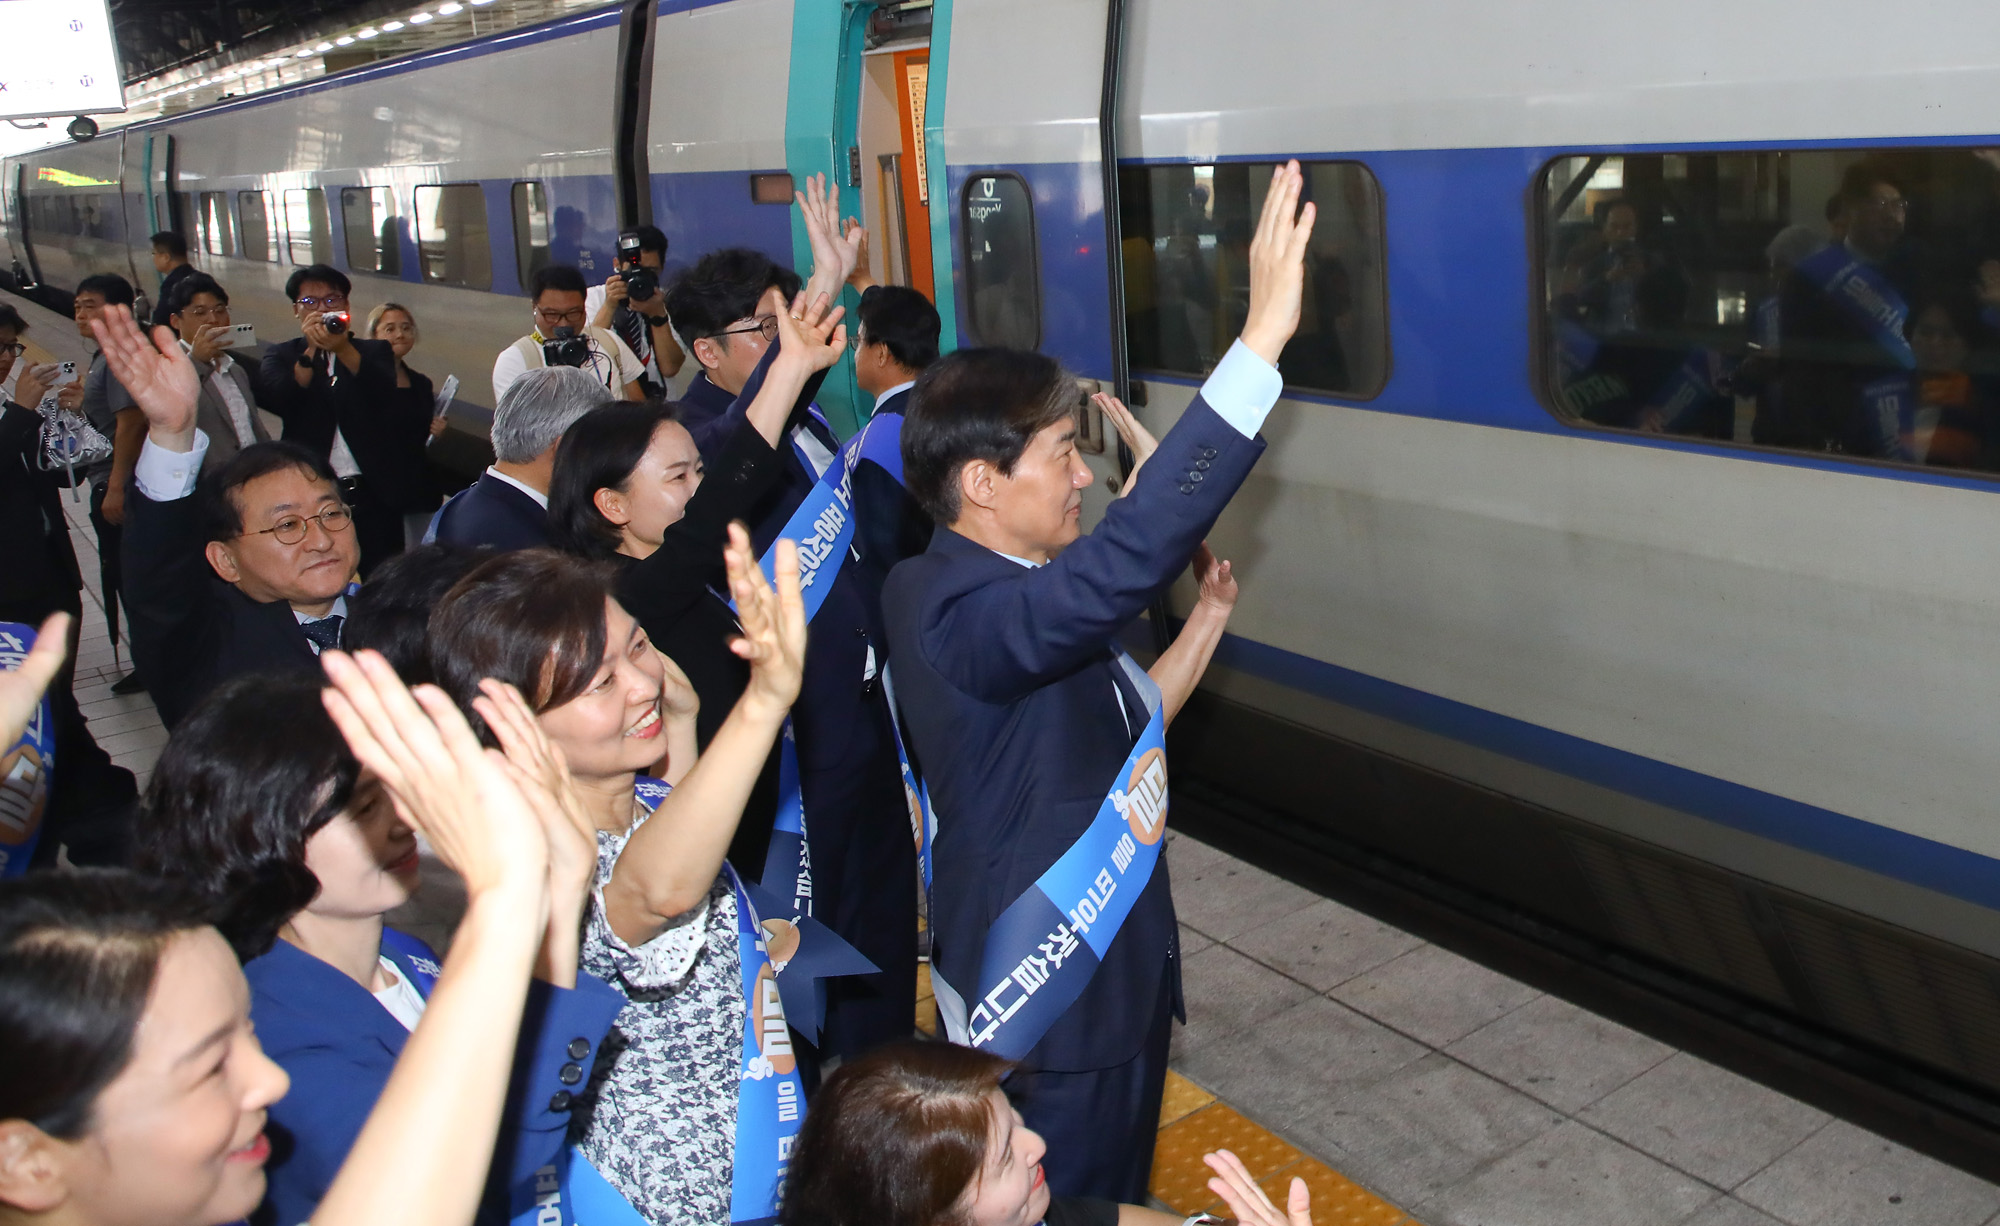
pixel 1179 668
pixel 836 250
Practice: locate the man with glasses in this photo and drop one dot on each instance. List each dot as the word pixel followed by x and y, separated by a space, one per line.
pixel 250 575
pixel 199 315
pixel 563 336
pixel 336 395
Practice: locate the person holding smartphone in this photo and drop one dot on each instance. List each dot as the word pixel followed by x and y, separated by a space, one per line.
pixel 199 314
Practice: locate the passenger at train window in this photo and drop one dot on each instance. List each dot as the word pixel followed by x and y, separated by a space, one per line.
pixel 337 396
pixel 170 260
pixel 508 507
pixel 1953 420
pixel 395 323
pixel 564 336
pixel 1602 275
pixel 199 314
pixel 895 340
pixel 640 321
pixel 1757 376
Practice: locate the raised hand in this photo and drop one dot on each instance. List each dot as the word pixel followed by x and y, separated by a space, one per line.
pixel 860 278
pixel 835 252
pixel 1216 580
pixel 1278 265
pixel 812 332
pixel 21 688
pixel 1247 1201
pixel 773 621
pixel 158 375
pixel 1136 436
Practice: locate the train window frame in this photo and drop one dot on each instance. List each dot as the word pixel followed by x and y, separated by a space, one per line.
pixel 269 252
pixel 216 225
pixel 388 259
pixel 973 330
pixel 427 248
pixel 318 233
pixel 521 213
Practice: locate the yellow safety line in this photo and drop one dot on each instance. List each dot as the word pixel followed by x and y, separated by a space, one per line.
pixel 1194 1122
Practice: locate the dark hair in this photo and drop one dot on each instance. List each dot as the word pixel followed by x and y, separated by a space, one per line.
pixel 977 404
pixel 1857 183
pixel 189 286
pixel 79 951
pixel 114 289
pixel 598 452
pixel 1834 207
pixel 533 618
pixel 222 513
pixel 723 287
pixel 559 278
pixel 251 774
pixel 325 274
pixel 166 242
pixel 905 321
pixel 11 318
pixel 651 238
pixel 392 611
pixel 894 1138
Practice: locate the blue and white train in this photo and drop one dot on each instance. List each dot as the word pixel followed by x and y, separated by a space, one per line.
pixel 1726 707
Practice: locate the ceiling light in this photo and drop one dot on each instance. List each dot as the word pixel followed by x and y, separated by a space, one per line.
pixel 478 3
pixel 368 33
pixel 304 55
pixel 390 27
pixel 345 40
pixel 418 19
pixel 450 7
pixel 324 47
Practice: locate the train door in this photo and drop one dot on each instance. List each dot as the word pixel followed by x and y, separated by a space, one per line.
pixel 130 205
pixel 888 162
pixel 27 271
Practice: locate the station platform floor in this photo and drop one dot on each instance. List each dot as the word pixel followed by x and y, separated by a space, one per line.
pixel 1405 1083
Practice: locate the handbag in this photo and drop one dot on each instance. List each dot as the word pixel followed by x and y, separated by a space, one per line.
pixel 70 444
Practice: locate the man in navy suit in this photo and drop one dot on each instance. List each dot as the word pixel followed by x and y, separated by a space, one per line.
pixel 1020 709
pixel 896 339
pixel 508 507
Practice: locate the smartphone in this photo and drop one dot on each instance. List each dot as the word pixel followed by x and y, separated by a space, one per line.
pixel 68 374
pixel 240 336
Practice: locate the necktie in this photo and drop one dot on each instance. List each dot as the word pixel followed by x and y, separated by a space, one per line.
pixel 325 632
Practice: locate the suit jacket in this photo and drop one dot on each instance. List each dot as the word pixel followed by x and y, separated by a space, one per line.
pixel 711 415
pixel 39 574
pixel 339 1045
pixel 161 310
pixel 190 630
pixel 383 431
pixel 889 525
pixel 492 512
pixel 1012 700
pixel 212 416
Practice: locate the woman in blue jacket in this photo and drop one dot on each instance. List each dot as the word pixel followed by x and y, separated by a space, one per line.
pixel 260 808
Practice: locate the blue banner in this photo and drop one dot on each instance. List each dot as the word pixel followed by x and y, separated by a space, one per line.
pixel 1693 386
pixel 1860 292
pixel 771 1101
pixel 25 766
pixel 1889 409
pixel 916 793
pixel 880 442
pixel 823 526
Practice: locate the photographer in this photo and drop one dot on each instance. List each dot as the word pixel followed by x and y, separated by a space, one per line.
pixel 562 337
pixel 337 396
pixel 630 303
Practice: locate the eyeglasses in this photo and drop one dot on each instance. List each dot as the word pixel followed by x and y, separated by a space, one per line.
pixel 573 317
pixel 1898 205
pixel 203 312
pixel 292 528
pixel 332 302
pixel 14 348
pixel 856 341
pixel 767 325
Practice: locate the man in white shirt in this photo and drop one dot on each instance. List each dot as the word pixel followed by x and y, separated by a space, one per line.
pixel 563 337
pixel 507 507
pixel 199 315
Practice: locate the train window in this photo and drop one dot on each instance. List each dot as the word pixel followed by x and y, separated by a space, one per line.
pixel 1819 300
pixel 308 231
pixel 451 235
pixel 531 230
pixel 1186 244
pixel 253 210
pixel 374 233
pixel 1002 268
pixel 774 187
pixel 216 236
pixel 189 219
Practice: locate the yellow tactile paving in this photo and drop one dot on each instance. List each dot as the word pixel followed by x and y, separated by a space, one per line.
pixel 926 1003
pixel 1336 1199
pixel 1183 1098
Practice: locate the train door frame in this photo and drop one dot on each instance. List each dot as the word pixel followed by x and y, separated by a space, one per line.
pixel 894 199
pixel 124 208
pixel 632 178
pixel 21 224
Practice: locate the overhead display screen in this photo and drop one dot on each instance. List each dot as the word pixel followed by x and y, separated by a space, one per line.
pixel 57 58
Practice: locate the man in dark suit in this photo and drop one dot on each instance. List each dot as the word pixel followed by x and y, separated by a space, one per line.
pixel 896 339
pixel 252 575
pixel 1022 713
pixel 508 507
pixel 332 391
pixel 170 260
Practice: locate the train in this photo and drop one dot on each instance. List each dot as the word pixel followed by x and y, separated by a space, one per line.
pixel 1719 703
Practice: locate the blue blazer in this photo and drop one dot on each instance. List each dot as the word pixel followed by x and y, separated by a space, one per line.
pixel 1011 696
pixel 339 1045
pixel 492 512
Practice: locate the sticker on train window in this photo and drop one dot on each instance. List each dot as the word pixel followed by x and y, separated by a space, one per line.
pixel 1002 267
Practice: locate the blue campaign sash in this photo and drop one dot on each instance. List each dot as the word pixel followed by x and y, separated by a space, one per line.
pixel 1692 385
pixel 1889 408
pixel 916 793
pixel 1861 293
pixel 771 1100
pixel 880 442
pixel 1034 965
pixel 25 766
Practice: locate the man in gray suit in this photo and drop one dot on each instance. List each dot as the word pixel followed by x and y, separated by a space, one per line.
pixel 199 313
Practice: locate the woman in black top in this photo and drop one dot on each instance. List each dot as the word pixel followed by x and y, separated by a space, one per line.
pixel 414 398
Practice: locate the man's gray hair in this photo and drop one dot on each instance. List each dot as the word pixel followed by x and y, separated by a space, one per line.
pixel 538 407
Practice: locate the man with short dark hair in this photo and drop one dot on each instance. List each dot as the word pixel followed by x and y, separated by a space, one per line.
pixel 564 336
pixel 1042 744
pixel 199 315
pixel 640 322
pixel 250 576
pixel 170 260
pixel 897 338
pixel 336 395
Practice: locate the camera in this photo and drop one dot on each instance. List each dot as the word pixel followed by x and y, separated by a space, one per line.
pixel 641 283
pixel 335 322
pixel 566 347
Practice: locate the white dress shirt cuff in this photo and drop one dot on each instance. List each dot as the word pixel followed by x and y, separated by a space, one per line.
pixel 1243 389
pixel 167 476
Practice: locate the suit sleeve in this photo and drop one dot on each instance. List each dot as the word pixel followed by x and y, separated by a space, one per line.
pixel 998 641
pixel 561 1029
pixel 712 435
pixel 660 588
pixel 317 1121
pixel 277 391
pixel 169 598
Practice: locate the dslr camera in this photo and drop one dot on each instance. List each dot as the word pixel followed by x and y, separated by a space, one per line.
pixel 566 347
pixel 336 321
pixel 641 283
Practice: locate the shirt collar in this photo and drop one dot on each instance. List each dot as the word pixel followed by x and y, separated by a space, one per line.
pixel 541 499
pixel 1020 561
pixel 339 609
pixel 892 393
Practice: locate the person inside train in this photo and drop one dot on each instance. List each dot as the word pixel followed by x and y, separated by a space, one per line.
pixel 391 614
pixel 508 507
pixel 262 811
pixel 170 260
pixel 1650 378
pixel 199 315
pixel 397 324
pixel 251 575
pixel 1843 320
pixel 1602 274
pixel 110 411
pixel 1757 375
pixel 1953 420
pixel 895 340
pixel 915 1134
pixel 564 336
pixel 640 322
pixel 1004 636
pixel 336 393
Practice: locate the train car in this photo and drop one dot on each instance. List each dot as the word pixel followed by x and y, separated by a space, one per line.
pixel 1543 599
